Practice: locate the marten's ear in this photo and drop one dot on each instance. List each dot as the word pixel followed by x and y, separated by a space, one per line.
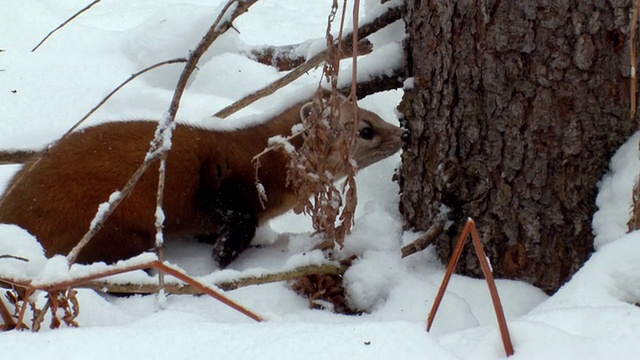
pixel 305 111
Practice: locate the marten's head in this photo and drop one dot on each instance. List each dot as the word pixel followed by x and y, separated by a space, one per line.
pixel 375 139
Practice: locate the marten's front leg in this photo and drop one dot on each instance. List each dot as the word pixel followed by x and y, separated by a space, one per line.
pixel 231 208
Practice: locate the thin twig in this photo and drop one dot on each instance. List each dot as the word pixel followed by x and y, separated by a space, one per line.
pixel 64 23
pixel 447 276
pixel 30 288
pixel 42 153
pixel 6 256
pixel 159 215
pixel 428 238
pixel 23 310
pixel 219 27
pixel 115 90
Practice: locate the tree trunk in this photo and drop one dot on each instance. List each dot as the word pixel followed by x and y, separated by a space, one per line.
pixel 515 110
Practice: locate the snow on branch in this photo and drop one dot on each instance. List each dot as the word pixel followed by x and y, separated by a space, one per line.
pixel 283 56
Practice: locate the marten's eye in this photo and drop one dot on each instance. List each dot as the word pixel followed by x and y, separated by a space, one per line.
pixel 367 133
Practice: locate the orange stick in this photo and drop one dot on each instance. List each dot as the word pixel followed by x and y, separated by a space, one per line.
pixel 447 276
pixel 470 229
pixel 493 290
pixel 206 289
pixel 158 265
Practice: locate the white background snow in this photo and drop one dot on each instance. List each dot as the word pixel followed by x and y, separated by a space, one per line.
pixel 43 93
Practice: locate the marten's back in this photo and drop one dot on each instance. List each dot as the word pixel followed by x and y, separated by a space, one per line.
pixel 56 198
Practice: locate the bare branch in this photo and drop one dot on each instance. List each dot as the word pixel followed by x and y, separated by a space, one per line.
pixel 363 47
pixel 287 57
pixel 61 294
pixel 123 84
pixel 16 156
pixel 312 63
pixel 185 289
pixel 65 23
pixel 27 155
pixel 425 240
pixel 13 257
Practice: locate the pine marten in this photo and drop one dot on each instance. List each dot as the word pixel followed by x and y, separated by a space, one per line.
pixel 210 192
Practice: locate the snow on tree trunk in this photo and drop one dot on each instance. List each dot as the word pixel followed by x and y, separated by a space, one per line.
pixel 515 110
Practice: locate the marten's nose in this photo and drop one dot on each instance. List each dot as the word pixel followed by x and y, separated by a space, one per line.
pixel 406 135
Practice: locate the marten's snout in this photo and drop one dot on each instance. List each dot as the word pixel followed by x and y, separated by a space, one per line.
pixel 406 135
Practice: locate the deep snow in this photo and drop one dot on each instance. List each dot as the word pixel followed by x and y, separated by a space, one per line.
pixel 43 93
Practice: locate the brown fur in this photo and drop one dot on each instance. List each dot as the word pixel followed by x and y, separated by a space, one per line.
pixel 210 192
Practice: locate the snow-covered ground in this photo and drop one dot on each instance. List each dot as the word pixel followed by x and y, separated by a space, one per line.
pixel 43 93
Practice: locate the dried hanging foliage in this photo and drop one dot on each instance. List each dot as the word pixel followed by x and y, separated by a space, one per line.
pixel 325 151
pixel 324 136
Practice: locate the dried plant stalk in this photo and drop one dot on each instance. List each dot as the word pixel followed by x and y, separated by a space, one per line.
pixel 632 54
pixel 634 219
pixel 7 318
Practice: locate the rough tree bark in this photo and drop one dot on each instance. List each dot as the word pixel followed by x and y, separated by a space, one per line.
pixel 515 111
